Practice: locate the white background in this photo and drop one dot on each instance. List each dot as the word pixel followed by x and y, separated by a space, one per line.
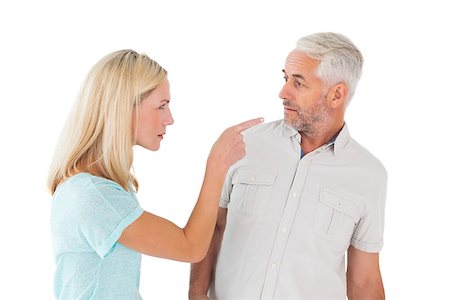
pixel 224 61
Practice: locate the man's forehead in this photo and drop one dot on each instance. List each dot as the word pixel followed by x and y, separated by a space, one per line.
pixel 298 57
pixel 298 61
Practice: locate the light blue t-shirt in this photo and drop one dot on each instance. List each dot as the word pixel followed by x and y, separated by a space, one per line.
pixel 88 216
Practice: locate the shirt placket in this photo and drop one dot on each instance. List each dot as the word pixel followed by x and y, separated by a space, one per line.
pixel 285 225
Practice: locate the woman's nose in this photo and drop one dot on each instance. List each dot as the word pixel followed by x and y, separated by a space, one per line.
pixel 169 119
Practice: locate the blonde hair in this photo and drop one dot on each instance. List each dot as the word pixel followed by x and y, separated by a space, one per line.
pixel 98 135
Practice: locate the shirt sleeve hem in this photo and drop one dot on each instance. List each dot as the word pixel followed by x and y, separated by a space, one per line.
pixel 223 204
pixel 367 246
pixel 106 246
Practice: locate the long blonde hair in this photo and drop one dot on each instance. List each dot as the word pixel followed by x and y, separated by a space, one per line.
pixel 98 135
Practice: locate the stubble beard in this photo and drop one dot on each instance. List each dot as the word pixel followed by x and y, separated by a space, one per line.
pixel 311 121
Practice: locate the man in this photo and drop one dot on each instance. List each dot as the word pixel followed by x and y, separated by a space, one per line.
pixel 305 195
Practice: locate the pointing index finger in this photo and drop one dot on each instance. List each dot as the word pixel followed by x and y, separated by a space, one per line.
pixel 247 124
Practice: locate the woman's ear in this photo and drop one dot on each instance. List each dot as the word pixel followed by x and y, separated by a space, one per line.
pixel 337 95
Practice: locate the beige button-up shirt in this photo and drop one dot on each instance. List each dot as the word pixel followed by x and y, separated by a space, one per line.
pixel 291 220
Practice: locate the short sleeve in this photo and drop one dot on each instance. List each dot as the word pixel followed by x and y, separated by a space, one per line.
pixel 368 235
pixel 226 189
pixel 104 213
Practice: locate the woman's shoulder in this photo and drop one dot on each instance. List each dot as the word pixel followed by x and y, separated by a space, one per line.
pixel 85 191
pixel 85 184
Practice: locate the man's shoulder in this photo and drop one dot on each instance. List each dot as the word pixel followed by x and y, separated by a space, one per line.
pixel 366 158
pixel 264 129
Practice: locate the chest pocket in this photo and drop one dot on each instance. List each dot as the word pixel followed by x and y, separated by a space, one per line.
pixel 251 190
pixel 336 216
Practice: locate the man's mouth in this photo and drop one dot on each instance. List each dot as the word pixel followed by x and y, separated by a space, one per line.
pixel 289 109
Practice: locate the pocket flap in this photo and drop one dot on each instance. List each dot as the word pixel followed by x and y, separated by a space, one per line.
pixel 254 176
pixel 339 202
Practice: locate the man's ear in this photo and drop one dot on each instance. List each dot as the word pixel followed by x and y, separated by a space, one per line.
pixel 337 95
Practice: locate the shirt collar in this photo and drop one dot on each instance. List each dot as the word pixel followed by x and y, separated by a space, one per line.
pixel 342 139
pixel 339 142
pixel 288 131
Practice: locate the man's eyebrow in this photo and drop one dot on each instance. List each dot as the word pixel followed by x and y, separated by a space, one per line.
pixel 296 75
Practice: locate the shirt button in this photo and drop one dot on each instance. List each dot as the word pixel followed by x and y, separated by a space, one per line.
pixel 284 229
pixel 274 266
pixel 253 179
pixel 294 194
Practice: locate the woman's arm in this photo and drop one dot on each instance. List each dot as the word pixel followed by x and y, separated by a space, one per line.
pixel 156 236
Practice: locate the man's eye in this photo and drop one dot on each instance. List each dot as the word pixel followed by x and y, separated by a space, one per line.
pixel 298 83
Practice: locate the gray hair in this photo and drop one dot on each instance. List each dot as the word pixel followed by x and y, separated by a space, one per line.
pixel 340 60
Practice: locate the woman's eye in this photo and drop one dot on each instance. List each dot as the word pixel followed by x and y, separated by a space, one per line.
pixel 163 106
pixel 285 78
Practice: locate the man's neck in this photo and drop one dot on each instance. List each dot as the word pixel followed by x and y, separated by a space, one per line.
pixel 311 142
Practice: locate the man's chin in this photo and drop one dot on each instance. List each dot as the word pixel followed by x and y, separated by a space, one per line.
pixel 288 121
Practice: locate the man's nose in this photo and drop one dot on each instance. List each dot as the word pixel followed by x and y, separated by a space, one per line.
pixel 284 93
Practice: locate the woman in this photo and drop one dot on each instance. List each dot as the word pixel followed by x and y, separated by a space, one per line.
pixel 98 227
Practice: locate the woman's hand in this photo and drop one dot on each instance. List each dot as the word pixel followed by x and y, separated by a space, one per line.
pixel 156 236
pixel 230 147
